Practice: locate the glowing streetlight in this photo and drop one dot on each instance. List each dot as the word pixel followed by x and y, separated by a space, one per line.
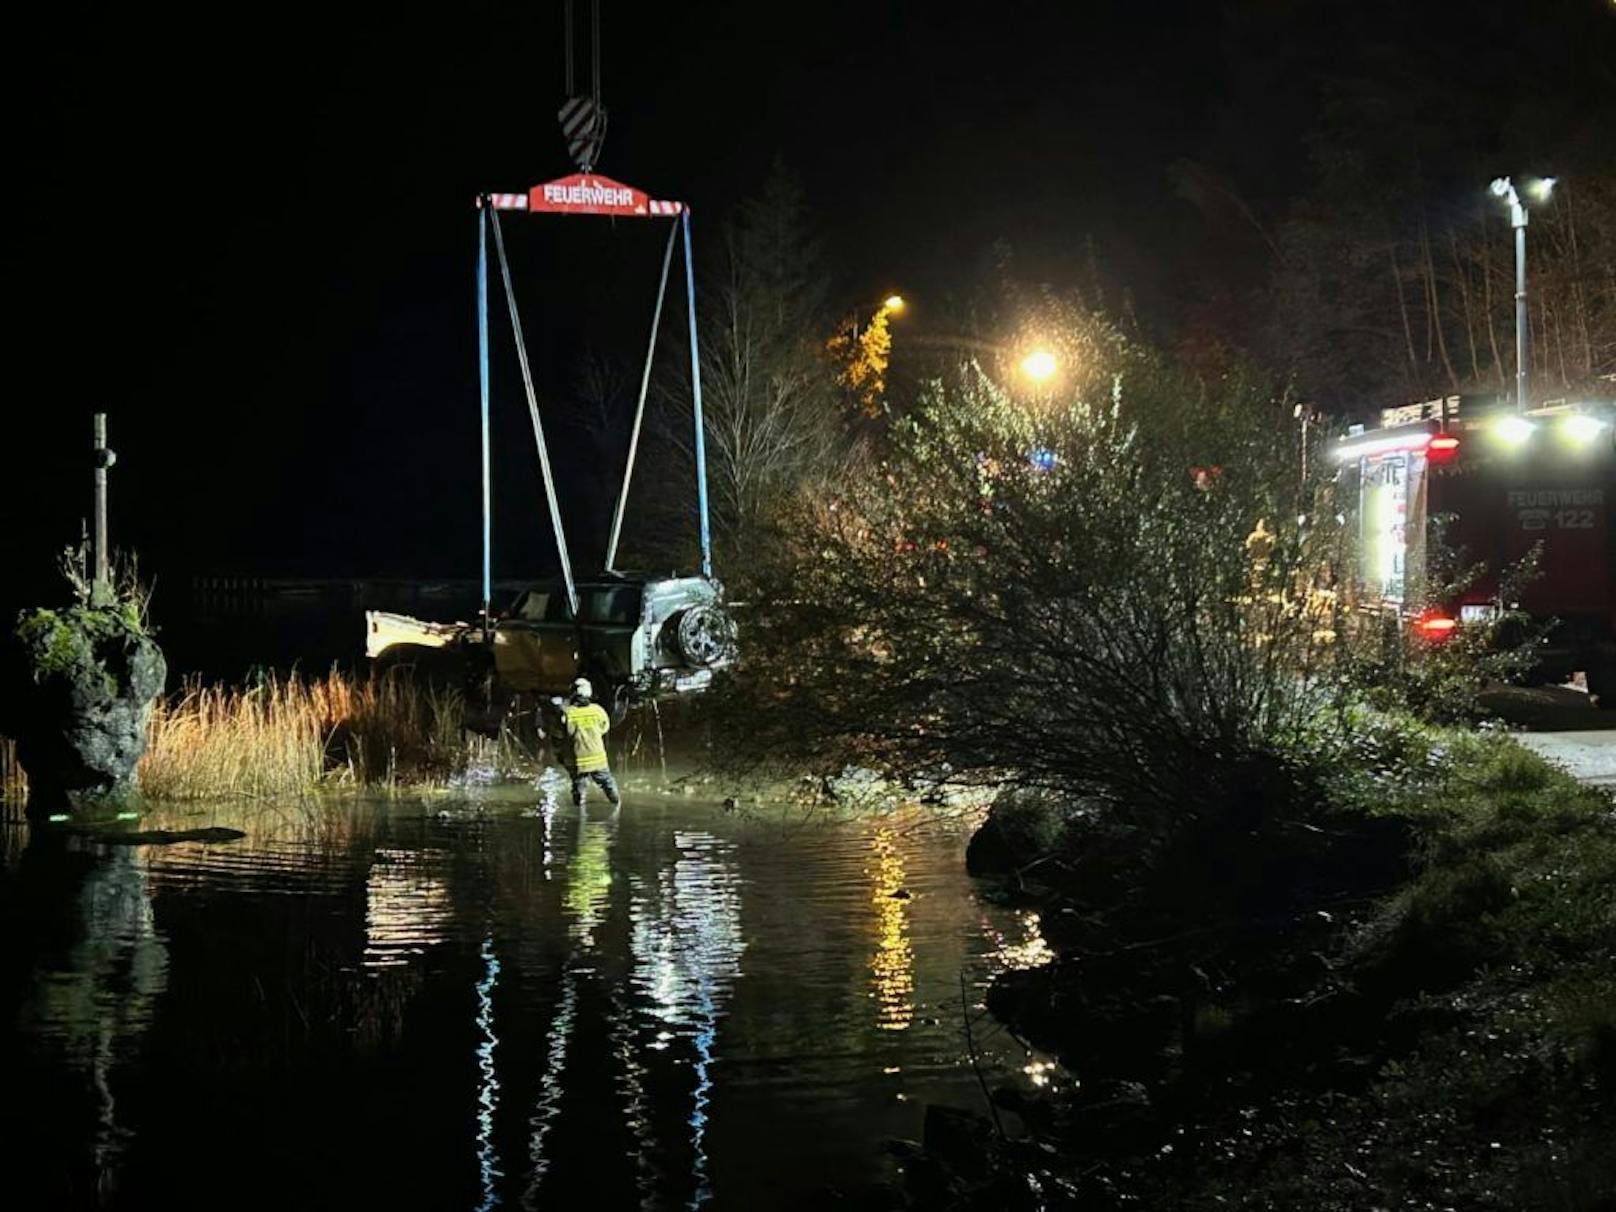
pixel 892 305
pixel 1040 365
pixel 868 353
pixel 1540 191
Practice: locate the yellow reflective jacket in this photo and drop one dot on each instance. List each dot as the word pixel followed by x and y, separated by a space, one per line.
pixel 587 725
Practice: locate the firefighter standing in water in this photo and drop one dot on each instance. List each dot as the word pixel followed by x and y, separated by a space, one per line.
pixel 587 724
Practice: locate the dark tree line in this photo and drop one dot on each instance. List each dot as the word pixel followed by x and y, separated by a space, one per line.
pixel 1351 240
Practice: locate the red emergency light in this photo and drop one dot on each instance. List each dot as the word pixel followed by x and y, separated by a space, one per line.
pixel 1443 448
pixel 1436 626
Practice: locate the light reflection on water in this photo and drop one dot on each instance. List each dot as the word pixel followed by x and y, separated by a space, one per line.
pixel 588 886
pixel 488 1081
pixel 687 948
pixel 741 1011
pixel 892 966
pixel 91 1010
pixel 1022 946
pixel 407 906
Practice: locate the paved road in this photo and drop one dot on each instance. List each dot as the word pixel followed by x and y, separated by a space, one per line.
pixel 1591 756
pixel 1565 727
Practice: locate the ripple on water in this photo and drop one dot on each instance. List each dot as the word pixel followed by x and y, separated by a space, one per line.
pixel 737 1009
pixel 408 908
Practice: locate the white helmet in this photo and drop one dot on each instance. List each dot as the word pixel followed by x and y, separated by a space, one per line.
pixel 582 689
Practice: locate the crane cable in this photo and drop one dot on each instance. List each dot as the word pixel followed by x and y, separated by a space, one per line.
pixel 594 50
pixel 583 119
pixel 567 8
pixel 594 63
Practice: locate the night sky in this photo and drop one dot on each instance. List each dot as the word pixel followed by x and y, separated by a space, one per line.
pixel 249 238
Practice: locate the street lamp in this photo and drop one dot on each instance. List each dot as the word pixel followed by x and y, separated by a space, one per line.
pixel 866 355
pixel 890 306
pixel 1308 415
pixel 1540 191
pixel 1040 365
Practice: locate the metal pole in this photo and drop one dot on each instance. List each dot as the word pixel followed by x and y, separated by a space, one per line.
pixel 639 409
pixel 533 412
pixel 482 374
pixel 695 390
pixel 104 459
pixel 1522 356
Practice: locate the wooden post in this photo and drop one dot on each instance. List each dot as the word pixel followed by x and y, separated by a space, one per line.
pixel 104 458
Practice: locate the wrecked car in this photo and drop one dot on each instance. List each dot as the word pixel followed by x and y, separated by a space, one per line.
pixel 635 636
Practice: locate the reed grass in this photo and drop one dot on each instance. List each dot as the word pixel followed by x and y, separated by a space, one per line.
pixel 13 781
pixel 294 736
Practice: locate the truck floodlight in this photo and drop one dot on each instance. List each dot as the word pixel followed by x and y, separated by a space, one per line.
pixel 1580 429
pixel 1514 430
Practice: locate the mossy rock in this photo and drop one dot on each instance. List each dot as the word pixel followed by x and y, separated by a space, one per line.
pixel 79 684
pixel 1022 826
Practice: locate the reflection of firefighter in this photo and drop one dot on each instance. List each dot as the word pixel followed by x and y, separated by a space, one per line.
pixel 1260 545
pixel 586 725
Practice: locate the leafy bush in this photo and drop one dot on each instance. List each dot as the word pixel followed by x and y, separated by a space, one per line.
pixel 1051 596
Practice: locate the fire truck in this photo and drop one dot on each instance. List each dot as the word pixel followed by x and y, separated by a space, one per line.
pixel 1497 484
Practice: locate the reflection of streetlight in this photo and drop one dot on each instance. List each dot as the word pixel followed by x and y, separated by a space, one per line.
pixel 1540 191
pixel 1040 365
pixel 892 967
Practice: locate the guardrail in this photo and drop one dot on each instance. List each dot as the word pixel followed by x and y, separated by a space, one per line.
pixel 234 596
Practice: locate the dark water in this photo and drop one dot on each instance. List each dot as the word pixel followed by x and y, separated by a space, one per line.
pixel 494 1002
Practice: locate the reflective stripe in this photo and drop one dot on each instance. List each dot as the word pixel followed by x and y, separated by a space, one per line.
pixel 587 725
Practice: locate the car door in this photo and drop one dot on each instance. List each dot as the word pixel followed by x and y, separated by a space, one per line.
pixel 536 647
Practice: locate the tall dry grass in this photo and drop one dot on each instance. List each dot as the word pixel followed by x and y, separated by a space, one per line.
pixel 210 741
pixel 292 736
pixel 13 781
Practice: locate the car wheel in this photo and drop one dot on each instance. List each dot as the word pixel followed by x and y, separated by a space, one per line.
pixel 704 635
